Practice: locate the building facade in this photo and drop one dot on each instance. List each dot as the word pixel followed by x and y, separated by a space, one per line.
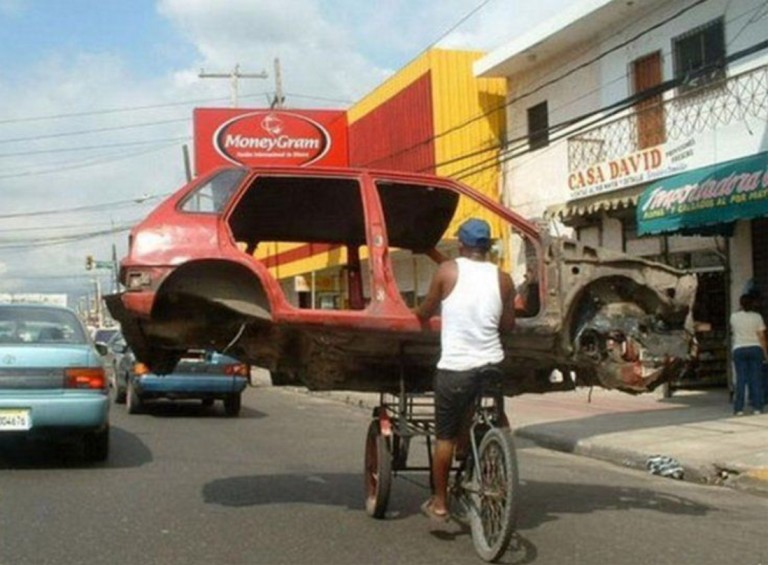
pixel 641 126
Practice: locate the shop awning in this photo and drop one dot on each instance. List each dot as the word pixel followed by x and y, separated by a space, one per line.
pixel 703 201
pixel 614 200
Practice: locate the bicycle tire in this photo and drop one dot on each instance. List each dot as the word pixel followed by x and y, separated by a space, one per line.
pixel 377 471
pixel 493 507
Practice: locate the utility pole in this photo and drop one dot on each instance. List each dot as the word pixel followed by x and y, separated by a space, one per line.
pixel 187 162
pixel 277 101
pixel 233 76
pixel 115 269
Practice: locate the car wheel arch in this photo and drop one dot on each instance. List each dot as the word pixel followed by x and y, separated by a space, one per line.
pixel 224 282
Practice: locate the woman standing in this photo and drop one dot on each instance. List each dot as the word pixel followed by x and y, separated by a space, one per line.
pixel 749 353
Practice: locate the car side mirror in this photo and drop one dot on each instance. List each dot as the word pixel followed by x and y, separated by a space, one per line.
pixel 102 348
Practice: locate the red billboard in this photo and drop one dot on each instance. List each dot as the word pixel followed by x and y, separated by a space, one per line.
pixel 303 138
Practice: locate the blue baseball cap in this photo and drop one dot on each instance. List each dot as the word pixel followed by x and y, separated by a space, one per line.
pixel 475 233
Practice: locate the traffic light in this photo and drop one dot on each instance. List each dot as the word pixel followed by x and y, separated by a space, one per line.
pixel 89 262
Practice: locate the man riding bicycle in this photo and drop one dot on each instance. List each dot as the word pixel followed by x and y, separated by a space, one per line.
pixel 477 304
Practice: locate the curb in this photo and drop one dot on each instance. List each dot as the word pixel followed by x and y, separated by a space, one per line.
pixel 753 481
pixel 699 474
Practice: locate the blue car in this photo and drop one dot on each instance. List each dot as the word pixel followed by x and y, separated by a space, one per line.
pixel 52 379
pixel 204 375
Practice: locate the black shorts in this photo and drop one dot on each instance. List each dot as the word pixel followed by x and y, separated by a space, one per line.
pixel 455 391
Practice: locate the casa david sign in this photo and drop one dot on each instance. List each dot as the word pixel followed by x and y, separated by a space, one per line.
pixel 628 170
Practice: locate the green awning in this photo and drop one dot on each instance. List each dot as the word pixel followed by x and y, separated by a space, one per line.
pixel 706 200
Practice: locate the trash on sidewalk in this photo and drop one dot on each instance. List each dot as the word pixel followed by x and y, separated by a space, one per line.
pixel 665 467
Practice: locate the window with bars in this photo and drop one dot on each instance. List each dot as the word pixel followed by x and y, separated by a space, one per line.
pixel 699 55
pixel 538 126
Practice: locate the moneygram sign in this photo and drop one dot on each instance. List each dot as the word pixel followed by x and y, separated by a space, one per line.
pixel 299 138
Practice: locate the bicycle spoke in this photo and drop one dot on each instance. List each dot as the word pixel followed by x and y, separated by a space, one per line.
pixel 493 498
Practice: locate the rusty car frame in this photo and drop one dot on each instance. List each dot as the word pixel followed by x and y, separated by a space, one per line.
pixel 203 271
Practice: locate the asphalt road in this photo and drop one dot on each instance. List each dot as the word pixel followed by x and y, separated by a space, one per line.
pixel 283 484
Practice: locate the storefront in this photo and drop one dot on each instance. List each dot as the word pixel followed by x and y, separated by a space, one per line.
pixel 728 202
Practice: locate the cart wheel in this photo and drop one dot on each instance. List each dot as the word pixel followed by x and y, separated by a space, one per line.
pixel 378 471
pixel 493 509
pixel 400 448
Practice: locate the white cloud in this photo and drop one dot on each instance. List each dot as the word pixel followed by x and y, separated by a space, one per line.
pixel 317 56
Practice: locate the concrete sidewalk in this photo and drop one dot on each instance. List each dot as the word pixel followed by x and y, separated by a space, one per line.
pixel 693 434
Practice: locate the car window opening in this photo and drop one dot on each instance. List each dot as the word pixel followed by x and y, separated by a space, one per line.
pixel 310 234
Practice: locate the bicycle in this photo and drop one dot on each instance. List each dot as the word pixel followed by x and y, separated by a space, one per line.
pixel 483 493
pixel 485 487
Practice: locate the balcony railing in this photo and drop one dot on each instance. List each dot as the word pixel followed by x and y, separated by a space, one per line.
pixel 713 105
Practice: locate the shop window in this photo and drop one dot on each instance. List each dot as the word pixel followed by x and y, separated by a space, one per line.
pixel 538 126
pixel 699 55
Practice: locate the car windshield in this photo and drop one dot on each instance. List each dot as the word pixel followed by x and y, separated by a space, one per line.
pixel 19 324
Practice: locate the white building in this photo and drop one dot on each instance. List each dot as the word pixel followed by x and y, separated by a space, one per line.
pixel 634 122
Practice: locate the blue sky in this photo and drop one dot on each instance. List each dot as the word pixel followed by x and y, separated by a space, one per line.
pixel 97 97
pixel 131 28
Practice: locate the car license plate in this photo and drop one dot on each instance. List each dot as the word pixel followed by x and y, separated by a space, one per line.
pixel 14 419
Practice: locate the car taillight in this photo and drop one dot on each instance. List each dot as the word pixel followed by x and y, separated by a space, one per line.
pixel 240 369
pixel 140 369
pixel 85 377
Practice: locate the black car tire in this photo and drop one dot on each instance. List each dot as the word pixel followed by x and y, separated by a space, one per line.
pixel 134 403
pixel 96 445
pixel 120 393
pixel 232 405
pixel 207 402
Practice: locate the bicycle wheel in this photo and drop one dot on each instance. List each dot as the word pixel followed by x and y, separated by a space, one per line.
pixel 378 471
pixel 493 507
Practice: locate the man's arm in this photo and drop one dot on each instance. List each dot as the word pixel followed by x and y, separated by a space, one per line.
pixel 507 289
pixel 431 303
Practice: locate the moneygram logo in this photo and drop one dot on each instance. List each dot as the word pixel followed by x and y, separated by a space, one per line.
pixel 272 138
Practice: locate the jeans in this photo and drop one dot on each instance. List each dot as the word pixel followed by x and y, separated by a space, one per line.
pixel 748 362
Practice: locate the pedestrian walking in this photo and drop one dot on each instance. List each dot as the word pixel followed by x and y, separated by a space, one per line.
pixel 750 353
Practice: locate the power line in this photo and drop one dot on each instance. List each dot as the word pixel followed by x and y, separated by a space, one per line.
pixel 62 226
pixel 45 242
pixel 91 147
pixel 543 85
pixel 92 162
pixel 95 130
pixel 461 20
pixel 116 110
pixel 615 108
pixel 105 205
pixel 322 98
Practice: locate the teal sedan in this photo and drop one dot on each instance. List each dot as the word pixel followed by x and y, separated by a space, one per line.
pixel 52 379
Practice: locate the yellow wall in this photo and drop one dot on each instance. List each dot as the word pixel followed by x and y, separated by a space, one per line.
pixel 465 124
pixel 469 126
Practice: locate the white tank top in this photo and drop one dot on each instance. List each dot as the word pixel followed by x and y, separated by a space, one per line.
pixel 470 315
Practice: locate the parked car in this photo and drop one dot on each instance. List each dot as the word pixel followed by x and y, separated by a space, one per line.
pixel 200 374
pixel 217 264
pixel 52 379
